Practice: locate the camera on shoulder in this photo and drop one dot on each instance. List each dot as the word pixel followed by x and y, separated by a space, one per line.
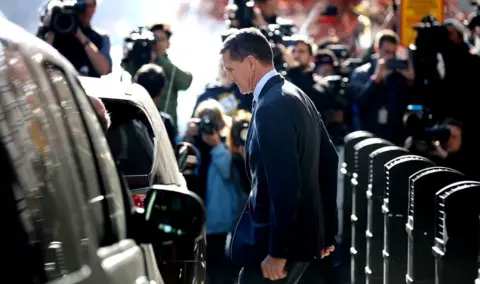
pixel 137 48
pixel 424 129
pixel 62 17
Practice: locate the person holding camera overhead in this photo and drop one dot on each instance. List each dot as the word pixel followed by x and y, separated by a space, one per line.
pixel 209 131
pixel 66 26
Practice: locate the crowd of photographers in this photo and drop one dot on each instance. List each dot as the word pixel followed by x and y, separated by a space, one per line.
pixel 419 97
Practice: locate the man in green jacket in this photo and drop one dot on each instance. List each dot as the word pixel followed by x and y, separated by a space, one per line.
pixel 178 80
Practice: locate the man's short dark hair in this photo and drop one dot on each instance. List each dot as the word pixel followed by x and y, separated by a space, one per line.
pixel 386 36
pixel 453 122
pixel 161 27
pixel 312 47
pixel 152 77
pixel 248 42
pixel 326 56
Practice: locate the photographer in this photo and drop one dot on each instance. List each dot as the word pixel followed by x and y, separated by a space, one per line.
pixel 383 88
pixel 67 28
pixel 300 71
pixel 178 80
pixel 224 199
pixel 326 63
pixel 450 152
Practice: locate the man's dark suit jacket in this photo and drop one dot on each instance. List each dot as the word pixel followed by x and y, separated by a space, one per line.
pixel 291 212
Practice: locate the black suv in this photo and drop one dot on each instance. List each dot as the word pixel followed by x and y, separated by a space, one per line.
pixel 66 213
pixel 140 144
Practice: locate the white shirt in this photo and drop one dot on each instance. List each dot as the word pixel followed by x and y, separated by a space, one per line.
pixel 258 89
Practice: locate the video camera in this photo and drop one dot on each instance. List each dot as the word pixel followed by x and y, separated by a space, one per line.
pixel 337 90
pixel 61 17
pixel 431 36
pixel 138 47
pixel 474 18
pixel 346 64
pixel 276 35
pixel 241 15
pixel 420 125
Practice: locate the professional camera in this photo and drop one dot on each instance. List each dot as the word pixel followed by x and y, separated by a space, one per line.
pixel 337 90
pixel 138 48
pixel 276 35
pixel 421 126
pixel 62 16
pixel 207 124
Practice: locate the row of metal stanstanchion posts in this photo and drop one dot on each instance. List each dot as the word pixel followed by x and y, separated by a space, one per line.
pixel 406 220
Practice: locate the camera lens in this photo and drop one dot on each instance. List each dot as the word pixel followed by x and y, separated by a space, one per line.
pixel 64 23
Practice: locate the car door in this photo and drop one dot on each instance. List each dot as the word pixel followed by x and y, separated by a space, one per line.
pixel 122 259
pixel 43 181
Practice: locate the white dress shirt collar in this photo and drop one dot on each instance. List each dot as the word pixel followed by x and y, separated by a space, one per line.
pixel 258 89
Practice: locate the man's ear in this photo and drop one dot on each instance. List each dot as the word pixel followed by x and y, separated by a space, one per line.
pixel 251 61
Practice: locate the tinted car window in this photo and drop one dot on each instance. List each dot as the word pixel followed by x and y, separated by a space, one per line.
pixel 46 188
pixel 138 147
pixel 92 145
pixel 134 148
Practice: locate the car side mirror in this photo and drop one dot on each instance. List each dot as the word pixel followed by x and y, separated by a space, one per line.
pixel 173 214
pixel 188 158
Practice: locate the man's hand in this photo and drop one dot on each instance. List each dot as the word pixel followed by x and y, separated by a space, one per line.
pixel 258 19
pixel 327 251
pixel 192 130
pixel 439 151
pixel 288 56
pixel 49 37
pixel 381 70
pixel 80 36
pixel 274 268
pixel 212 140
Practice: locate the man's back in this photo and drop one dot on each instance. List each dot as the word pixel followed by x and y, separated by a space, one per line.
pixel 285 212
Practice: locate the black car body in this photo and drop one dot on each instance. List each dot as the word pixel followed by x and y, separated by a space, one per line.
pixel 140 144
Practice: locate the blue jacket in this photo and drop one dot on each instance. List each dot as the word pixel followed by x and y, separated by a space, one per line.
pixel 225 198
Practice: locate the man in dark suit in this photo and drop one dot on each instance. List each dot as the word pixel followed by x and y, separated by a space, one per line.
pixel 290 217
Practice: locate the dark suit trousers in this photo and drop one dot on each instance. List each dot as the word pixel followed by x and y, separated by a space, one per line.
pixel 254 275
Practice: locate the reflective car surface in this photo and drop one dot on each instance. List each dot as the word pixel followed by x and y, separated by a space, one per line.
pixel 66 213
pixel 140 145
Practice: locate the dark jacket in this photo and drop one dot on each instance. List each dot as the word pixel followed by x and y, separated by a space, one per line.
pixel 75 52
pixel 178 80
pixel 387 99
pixel 291 212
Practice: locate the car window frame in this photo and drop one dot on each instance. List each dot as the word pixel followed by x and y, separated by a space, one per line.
pixel 113 233
pixel 151 133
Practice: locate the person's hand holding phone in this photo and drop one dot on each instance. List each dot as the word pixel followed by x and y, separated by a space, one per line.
pixel 381 70
pixel 403 54
pixel 408 73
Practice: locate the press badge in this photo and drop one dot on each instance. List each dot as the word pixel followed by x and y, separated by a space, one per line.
pixel 383 116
